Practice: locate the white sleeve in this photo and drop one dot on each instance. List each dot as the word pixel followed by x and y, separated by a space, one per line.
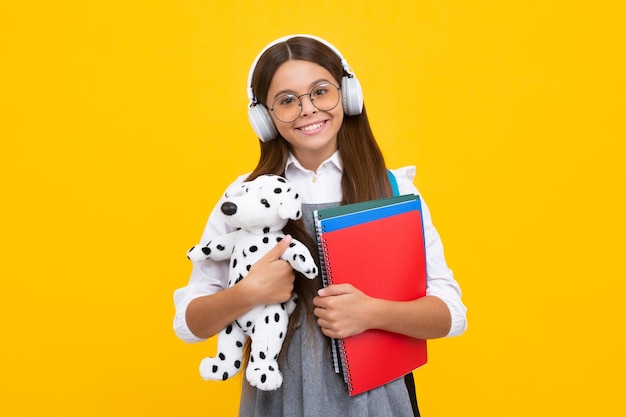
pixel 208 277
pixel 440 280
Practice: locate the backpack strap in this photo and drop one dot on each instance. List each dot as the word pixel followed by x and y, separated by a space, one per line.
pixel 393 182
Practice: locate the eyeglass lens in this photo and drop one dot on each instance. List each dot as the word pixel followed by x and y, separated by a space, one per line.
pixel 288 107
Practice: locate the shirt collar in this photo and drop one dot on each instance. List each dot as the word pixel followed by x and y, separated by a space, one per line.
pixel 334 159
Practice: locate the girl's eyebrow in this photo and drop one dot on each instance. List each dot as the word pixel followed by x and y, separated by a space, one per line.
pixel 313 84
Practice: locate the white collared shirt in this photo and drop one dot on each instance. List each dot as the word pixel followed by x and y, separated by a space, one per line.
pixel 323 186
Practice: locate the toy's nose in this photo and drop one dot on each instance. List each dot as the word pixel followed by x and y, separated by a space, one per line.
pixel 229 208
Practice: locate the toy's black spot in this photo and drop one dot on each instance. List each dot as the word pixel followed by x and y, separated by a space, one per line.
pixel 225 376
pixel 265 230
pixel 220 247
pixel 276 317
pixel 253 248
pixel 222 357
pixel 229 329
pixel 262 355
pixel 239 344
pixel 280 336
pixel 263 378
pixel 265 203
pixel 297 196
pixel 206 251
pixel 237 364
pixel 214 368
pixel 276 357
pixel 251 358
pixel 271 368
pixel 279 238
pixel 292 244
pixel 248 324
pixel 278 190
pixel 302 258
pixel 239 279
pixel 234 262
pixel 298 213
pixel 253 329
pixel 266 239
pixel 248 267
pixel 267 319
pixel 281 179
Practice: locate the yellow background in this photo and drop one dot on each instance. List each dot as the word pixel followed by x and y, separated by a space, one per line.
pixel 122 122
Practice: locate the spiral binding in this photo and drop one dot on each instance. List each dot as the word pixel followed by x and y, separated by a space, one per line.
pixel 322 248
pixel 340 356
pixel 327 265
pixel 324 272
pixel 347 377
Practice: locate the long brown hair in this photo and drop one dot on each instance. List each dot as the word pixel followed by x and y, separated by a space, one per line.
pixel 364 172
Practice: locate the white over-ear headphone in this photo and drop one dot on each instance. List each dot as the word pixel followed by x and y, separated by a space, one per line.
pixel 259 116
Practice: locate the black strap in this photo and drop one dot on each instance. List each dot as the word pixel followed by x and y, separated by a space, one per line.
pixel 410 386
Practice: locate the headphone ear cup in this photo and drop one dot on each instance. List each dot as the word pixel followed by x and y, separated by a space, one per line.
pixel 262 123
pixel 352 96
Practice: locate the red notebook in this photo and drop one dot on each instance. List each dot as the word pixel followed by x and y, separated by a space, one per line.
pixel 379 250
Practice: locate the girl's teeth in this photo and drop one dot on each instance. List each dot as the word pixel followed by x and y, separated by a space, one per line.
pixel 312 127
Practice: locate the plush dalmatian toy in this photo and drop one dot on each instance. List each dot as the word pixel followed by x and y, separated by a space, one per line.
pixel 259 209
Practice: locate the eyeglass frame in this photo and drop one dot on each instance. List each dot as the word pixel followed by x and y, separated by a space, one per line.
pixel 310 99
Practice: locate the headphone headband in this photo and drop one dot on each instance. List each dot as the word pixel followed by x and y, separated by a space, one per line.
pixel 344 63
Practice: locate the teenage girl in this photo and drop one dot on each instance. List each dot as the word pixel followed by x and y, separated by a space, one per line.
pixel 306 107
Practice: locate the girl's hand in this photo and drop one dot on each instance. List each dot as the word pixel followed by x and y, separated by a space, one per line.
pixel 270 280
pixel 342 310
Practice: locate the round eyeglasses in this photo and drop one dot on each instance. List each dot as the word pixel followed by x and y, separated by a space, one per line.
pixel 288 107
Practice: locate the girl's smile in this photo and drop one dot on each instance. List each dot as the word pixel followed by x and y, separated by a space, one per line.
pixel 313 128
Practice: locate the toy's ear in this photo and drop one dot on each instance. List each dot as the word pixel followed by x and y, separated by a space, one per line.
pixel 290 209
pixel 236 191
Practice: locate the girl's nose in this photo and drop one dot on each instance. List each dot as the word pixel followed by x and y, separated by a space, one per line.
pixel 306 106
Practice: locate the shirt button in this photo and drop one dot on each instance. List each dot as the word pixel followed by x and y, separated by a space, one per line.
pixel 314 179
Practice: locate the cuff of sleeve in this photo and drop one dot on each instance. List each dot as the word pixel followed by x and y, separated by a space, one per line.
pixel 458 323
pixel 181 329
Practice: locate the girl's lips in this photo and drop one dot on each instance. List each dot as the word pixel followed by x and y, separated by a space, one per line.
pixel 312 128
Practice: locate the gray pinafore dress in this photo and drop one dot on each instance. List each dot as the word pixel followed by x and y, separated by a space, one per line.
pixel 310 386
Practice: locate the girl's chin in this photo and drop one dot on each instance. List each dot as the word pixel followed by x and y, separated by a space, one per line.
pixel 312 148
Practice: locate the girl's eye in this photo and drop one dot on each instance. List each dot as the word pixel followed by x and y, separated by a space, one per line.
pixel 320 90
pixel 287 100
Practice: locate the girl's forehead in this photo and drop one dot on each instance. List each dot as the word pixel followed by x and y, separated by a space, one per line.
pixel 299 75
